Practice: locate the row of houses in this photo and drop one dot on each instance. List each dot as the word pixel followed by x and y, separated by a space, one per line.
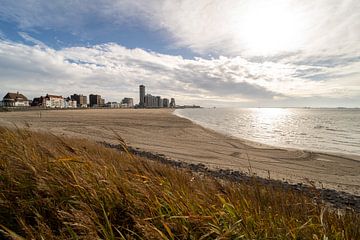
pixel 55 101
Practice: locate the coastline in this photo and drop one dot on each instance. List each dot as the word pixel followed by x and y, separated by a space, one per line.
pixel 334 199
pixel 304 144
pixel 162 132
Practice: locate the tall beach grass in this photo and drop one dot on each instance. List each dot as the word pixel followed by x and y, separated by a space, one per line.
pixel 61 188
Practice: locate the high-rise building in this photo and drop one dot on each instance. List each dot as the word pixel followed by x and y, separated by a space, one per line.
pixel 142 96
pixel 102 102
pixel 166 103
pixel 128 102
pixel 159 102
pixel 172 103
pixel 150 101
pixel 147 101
pixel 80 99
pixel 96 100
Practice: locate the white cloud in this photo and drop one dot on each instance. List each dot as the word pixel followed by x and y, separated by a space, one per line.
pixel 312 27
pixel 275 51
pixel 28 38
pixel 115 72
pixel 233 27
pixel 226 27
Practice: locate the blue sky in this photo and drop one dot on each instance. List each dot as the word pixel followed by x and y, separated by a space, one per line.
pixel 95 31
pixel 210 52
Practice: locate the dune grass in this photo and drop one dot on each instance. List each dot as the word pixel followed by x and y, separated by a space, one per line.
pixel 60 188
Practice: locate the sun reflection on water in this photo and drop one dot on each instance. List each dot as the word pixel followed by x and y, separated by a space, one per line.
pixel 269 117
pixel 270 114
pixel 333 130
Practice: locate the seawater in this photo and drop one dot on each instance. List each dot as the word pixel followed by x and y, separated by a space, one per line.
pixel 324 130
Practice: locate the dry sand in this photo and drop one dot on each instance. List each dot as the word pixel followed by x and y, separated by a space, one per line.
pixel 159 131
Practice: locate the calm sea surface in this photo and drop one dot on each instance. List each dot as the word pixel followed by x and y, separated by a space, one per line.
pixel 325 130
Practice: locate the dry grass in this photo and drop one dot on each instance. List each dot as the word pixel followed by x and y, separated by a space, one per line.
pixel 59 188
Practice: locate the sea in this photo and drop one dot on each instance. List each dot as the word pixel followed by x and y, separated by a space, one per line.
pixel 318 129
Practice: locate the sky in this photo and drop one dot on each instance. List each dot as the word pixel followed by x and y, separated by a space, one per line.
pixel 243 53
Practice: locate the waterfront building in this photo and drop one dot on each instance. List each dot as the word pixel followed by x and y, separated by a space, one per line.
pixel 15 100
pixel 96 100
pixel 69 103
pixel 166 103
pixel 159 102
pixel 127 102
pixel 53 101
pixel 102 102
pixel 113 105
pixel 150 101
pixel 49 101
pixel 80 99
pixel 172 103
pixel 38 102
pixel 142 96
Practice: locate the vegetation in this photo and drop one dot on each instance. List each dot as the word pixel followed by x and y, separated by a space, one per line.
pixel 60 188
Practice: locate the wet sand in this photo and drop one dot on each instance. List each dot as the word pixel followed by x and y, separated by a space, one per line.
pixel 160 131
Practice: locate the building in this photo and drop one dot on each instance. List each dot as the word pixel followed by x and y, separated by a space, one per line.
pixel 53 101
pixel 142 96
pixel 172 103
pixel 96 100
pixel 159 102
pixel 102 102
pixel 38 102
pixel 127 102
pixel 166 103
pixel 69 103
pixel 150 101
pixel 49 101
pixel 15 100
pixel 80 99
pixel 113 105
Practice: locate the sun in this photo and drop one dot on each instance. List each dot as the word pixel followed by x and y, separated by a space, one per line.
pixel 270 27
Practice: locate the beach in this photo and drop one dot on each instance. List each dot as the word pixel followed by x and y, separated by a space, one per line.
pixel 160 131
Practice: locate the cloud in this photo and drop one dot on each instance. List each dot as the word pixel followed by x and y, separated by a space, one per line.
pixel 2 35
pixel 115 71
pixel 28 38
pixel 221 27
pixel 266 51
pixel 312 27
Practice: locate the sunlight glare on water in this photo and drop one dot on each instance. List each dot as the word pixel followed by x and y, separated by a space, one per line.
pixel 329 130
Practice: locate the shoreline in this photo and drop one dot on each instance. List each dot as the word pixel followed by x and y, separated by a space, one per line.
pixel 256 143
pixel 334 199
pixel 162 132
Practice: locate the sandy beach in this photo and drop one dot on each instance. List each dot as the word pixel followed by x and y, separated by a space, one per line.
pixel 160 131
